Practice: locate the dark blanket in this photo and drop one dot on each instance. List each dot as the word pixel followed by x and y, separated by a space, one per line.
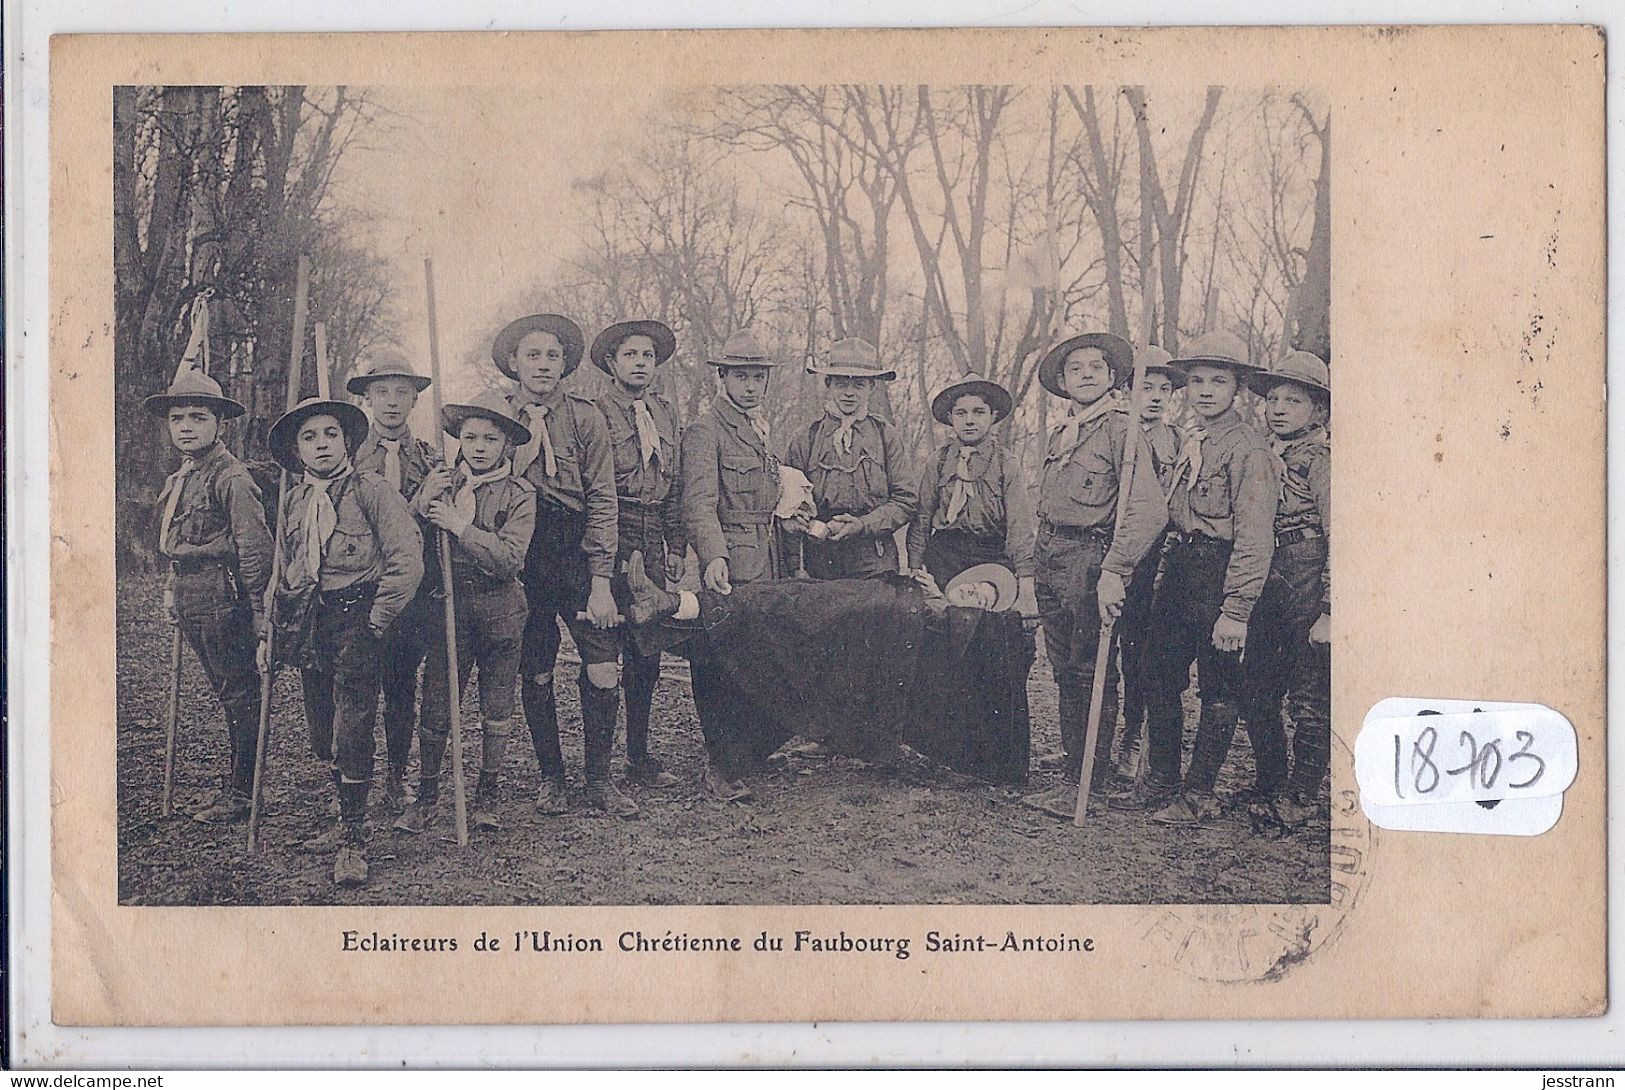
pixel 860 665
pixel 969 710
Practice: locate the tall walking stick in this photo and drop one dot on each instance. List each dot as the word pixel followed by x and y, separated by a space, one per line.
pixel 1103 652
pixel 454 705
pixel 301 298
pixel 171 721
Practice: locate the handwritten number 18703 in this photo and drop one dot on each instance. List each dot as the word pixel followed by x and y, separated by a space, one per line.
pixel 1483 764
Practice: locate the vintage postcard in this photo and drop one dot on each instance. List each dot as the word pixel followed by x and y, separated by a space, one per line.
pixel 790 525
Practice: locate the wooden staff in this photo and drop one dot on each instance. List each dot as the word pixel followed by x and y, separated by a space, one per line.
pixel 324 382
pixel 301 299
pixel 1108 625
pixel 171 721
pixel 454 707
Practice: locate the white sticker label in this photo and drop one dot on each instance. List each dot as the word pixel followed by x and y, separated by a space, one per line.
pixel 1464 766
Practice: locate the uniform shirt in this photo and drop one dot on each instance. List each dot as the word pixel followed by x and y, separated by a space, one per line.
pixel 376 539
pixel 997 504
pixel 496 542
pixel 730 485
pixel 219 516
pixel 586 468
pixel 1079 489
pixel 651 484
pixel 1233 499
pixel 1164 441
pixel 871 481
pixel 417 459
pixel 1306 493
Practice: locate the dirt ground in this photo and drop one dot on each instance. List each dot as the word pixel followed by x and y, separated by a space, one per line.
pixel 819 832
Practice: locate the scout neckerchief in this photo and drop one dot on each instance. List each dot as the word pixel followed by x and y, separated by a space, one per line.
pixel 757 419
pixel 1064 439
pixel 321 517
pixel 1190 456
pixel 648 434
pixel 463 502
pixel 844 425
pixel 177 481
pixel 534 417
pixel 962 481
pixel 392 454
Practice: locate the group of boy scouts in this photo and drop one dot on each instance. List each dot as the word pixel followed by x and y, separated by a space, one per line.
pixel 1217 555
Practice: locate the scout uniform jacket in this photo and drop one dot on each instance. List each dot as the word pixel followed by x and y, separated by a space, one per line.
pixel 651 487
pixel 492 550
pixel 1233 498
pixel 997 504
pixel 375 540
pixel 585 477
pixel 871 481
pixel 730 485
pixel 1305 506
pixel 1164 441
pixel 417 459
pixel 219 517
pixel 1079 490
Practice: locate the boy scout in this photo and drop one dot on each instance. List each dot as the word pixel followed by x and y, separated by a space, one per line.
pixel 490 515
pixel 352 559
pixel 1163 440
pixel 862 484
pixel 389 387
pixel 1222 507
pixel 572 552
pixel 730 487
pixel 643 433
pixel 1083 557
pixel 974 508
pixel 212 530
pixel 1287 640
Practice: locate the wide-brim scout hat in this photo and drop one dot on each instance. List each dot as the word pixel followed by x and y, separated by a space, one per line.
pixel 486 406
pixel 665 341
pixel 997 397
pixel 852 357
pixel 507 342
pixel 284 435
pixel 1002 578
pixel 193 387
pixel 387 364
pixel 1303 368
pixel 1119 357
pixel 1217 349
pixel 744 348
pixel 1154 359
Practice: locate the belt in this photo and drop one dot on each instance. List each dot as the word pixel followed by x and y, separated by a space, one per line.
pixel 1292 537
pixel 196 565
pixel 350 595
pixel 1076 533
pixel 1182 537
pixel 644 505
pixel 745 518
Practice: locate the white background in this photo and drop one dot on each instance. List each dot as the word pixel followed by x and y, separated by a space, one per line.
pixel 1587 1043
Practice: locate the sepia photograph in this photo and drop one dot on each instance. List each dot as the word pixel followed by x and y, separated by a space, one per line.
pixel 726 494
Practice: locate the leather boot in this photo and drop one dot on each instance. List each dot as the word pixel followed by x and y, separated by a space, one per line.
pixel 350 867
pixel 598 730
pixel 420 814
pixel 650 601
pixel 332 833
pixel 639 676
pixel 493 745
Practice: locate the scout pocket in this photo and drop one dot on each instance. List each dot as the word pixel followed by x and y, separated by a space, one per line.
pixel 1211 496
pixel 352 548
pixel 292 610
